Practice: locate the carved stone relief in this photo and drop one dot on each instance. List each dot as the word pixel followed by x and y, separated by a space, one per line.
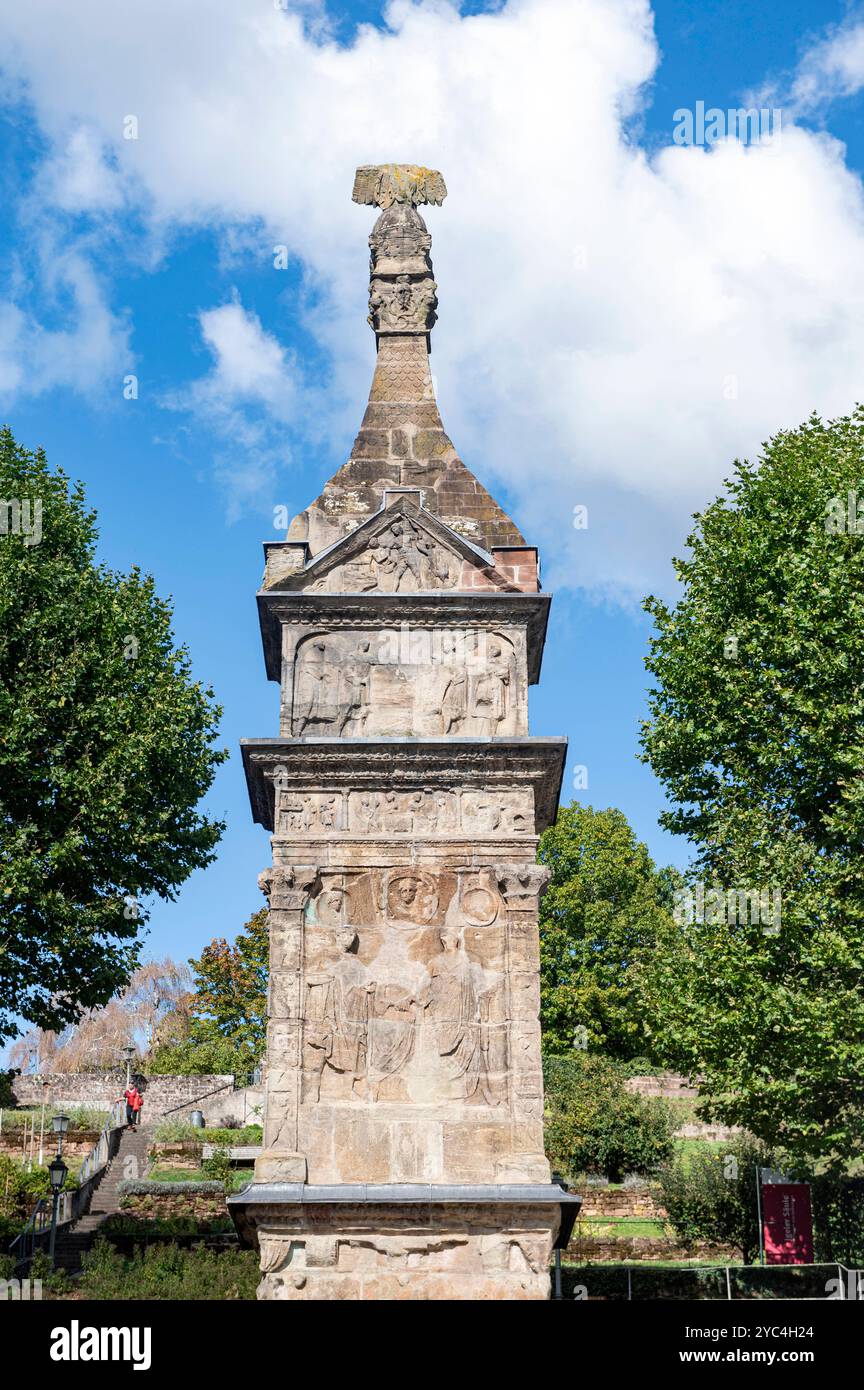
pixel 403 1040
pixel 362 684
pixel 402 296
pixel 310 813
pixel 424 811
pixel 402 558
pixel 404 989
pixel 347 1252
pixel 404 304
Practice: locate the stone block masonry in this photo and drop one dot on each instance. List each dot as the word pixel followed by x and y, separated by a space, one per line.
pixel 215 1095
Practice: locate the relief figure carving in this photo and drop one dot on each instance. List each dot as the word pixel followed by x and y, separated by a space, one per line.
pixel 461 683
pixel 410 897
pixel 337 1020
pixel 316 690
pixel 333 688
pixel 492 692
pixel 455 1003
pixel 368 811
pixel 402 304
pixel 401 558
pixel 354 692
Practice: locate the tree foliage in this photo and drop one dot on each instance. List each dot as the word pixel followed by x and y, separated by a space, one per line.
pixel 106 748
pixel 757 733
pixel 226 1027
pixel 594 1124
pixel 599 917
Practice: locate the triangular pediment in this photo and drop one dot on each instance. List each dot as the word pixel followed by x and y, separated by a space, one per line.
pixel 400 549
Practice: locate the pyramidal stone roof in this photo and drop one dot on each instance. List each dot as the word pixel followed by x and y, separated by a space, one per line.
pixel 402 442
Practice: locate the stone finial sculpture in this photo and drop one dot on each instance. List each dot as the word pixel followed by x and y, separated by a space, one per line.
pixel 402 292
pixel 382 185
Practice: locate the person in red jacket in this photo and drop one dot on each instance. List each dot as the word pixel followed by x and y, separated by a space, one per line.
pixel 132 1097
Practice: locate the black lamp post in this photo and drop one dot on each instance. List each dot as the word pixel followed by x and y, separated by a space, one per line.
pixel 57 1172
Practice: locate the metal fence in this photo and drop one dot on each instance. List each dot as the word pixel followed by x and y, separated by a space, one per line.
pixel 711 1282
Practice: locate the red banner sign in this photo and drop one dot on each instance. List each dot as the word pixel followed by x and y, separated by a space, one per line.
pixel 787 1223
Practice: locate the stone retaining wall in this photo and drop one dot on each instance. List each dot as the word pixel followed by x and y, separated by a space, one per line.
pixel 215 1095
pixel 645 1249
pixel 669 1085
pixel 185 1153
pixel 203 1206
pixel 621 1202
pixel 76 1145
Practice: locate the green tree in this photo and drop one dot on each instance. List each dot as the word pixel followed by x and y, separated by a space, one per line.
pixel 757 733
pixel 106 748
pixel 595 1125
pixel 224 1026
pixel 599 917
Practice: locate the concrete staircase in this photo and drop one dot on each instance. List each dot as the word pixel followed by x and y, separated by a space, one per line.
pixel 130 1161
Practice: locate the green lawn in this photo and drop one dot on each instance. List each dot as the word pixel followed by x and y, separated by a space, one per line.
pixel 687 1148
pixel 618 1228
pixel 176 1175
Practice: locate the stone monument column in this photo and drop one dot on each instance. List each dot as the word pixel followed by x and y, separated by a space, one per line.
pixel 404 620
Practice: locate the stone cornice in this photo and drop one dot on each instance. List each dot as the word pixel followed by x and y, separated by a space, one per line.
pixel 434 609
pixel 402 763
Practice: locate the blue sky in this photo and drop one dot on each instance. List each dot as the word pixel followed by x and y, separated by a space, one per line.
pixel 618 317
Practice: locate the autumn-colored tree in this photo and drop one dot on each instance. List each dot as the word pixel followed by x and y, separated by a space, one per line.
pixel 227 1016
pixel 156 990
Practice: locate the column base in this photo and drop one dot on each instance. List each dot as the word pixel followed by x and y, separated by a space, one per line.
pixel 275 1165
pixel 388 1241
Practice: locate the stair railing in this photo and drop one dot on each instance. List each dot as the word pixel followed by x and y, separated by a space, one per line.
pixel 72 1204
pixel 98 1159
pixel 39 1220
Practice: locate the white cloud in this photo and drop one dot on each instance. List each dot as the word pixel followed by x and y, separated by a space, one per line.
pixel 91 350
pixel 77 177
pixel 613 328
pixel 246 399
pixel 250 364
pixel 832 67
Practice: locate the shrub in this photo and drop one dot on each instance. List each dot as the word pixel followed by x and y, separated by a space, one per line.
pixel 148 1227
pixel 142 1187
pixel 243 1134
pixel 167 1272
pixel 711 1195
pixel 595 1125
pixel 838 1219
pixel 53 1280
pixel 85 1118
pixel 20 1188
pixel 174 1131
pixel 218 1165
